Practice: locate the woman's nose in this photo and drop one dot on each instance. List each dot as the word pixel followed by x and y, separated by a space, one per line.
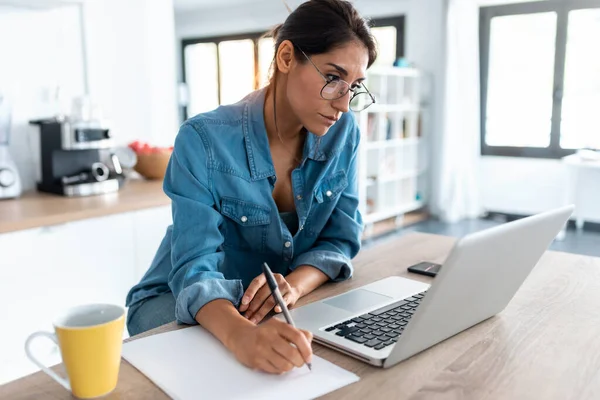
pixel 343 103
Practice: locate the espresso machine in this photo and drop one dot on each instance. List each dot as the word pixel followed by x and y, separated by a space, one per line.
pixel 77 158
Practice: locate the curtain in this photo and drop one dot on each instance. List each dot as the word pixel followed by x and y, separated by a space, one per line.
pixel 456 192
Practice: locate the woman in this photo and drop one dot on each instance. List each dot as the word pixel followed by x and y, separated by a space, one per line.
pixel 269 179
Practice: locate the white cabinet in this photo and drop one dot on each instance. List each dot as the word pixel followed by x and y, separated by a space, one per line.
pixel 97 259
pixel 582 187
pixel 23 307
pixel 46 270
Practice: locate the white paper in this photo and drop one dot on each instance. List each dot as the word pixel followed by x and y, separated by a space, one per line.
pixel 192 364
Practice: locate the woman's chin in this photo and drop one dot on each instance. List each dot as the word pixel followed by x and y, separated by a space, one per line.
pixel 318 129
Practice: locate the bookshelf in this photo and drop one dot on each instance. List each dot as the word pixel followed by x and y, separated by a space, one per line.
pixel 392 172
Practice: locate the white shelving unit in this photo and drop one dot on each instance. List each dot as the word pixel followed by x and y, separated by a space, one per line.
pixel 392 155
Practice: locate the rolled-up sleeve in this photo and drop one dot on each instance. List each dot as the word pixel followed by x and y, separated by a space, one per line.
pixel 195 278
pixel 339 241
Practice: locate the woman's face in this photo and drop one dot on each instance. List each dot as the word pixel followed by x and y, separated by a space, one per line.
pixel 348 62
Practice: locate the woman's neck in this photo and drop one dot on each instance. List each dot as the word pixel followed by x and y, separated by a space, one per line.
pixel 281 122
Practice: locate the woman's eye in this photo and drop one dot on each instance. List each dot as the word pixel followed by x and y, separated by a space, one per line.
pixel 333 77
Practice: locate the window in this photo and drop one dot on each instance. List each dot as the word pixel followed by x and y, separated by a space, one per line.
pixel 236 69
pixel 222 70
pixel 389 34
pixel 540 78
pixel 202 72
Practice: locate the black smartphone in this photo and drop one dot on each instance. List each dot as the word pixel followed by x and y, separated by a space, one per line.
pixel 425 268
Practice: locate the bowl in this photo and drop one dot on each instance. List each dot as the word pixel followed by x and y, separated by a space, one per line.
pixel 153 165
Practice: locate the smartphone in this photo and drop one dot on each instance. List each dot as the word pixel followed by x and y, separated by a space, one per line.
pixel 425 268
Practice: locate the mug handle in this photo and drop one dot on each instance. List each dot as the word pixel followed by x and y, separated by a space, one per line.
pixel 52 374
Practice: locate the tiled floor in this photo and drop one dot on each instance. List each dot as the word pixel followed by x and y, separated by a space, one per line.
pixel 585 242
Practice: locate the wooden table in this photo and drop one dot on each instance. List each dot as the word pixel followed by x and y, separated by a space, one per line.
pixel 545 345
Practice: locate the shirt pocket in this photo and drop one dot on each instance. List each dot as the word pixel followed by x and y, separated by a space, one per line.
pixel 326 196
pixel 246 225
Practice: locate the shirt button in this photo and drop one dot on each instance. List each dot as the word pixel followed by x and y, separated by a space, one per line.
pixel 287 244
pixel 244 219
pixel 299 197
pixel 328 193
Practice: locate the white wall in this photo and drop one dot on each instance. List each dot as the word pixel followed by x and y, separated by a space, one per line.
pixel 131 60
pixel 509 184
pixel 40 51
pixel 528 186
pixel 425 45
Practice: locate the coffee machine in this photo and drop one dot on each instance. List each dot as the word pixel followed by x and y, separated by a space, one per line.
pixel 10 182
pixel 77 158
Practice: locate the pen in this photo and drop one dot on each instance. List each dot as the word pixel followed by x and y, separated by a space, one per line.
pixel 279 299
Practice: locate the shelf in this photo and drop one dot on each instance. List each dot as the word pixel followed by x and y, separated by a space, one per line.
pixel 389 108
pixel 396 177
pixel 379 215
pixel 384 144
pixel 393 144
pixel 391 224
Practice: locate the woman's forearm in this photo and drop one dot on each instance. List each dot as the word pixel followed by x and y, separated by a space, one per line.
pixel 306 278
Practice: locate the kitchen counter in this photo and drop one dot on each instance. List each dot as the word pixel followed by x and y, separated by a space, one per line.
pixel 36 209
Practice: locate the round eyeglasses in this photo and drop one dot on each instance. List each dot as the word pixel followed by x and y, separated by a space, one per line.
pixel 337 88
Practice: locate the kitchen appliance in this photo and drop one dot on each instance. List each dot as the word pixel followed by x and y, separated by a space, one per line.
pixel 77 158
pixel 10 182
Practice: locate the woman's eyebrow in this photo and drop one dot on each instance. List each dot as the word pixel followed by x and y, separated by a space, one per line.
pixel 343 71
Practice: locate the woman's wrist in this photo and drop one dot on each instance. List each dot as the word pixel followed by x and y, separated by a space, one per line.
pixel 306 278
pixel 237 328
pixel 297 282
pixel 296 285
pixel 223 320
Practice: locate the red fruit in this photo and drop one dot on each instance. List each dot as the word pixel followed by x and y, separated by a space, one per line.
pixel 135 145
pixel 145 149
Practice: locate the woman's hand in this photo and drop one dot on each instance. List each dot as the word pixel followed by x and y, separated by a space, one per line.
pixel 257 301
pixel 274 347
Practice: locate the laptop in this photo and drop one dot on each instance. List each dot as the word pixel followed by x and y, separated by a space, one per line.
pixel 390 320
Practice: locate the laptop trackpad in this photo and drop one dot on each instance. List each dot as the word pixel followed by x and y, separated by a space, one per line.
pixel 357 300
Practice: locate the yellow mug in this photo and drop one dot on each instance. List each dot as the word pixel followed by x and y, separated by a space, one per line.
pixel 90 338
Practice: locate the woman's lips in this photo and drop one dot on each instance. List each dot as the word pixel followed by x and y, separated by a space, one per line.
pixel 328 120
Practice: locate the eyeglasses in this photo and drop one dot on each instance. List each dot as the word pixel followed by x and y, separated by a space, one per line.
pixel 336 88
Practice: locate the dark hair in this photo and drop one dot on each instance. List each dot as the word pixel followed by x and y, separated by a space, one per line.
pixel 318 26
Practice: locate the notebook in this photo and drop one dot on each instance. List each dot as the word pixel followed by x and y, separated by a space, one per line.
pixel 191 363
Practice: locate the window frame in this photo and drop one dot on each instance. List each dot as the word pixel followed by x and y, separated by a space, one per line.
pixel 397 21
pixel 562 9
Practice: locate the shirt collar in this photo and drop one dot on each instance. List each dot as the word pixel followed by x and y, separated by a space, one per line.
pixel 257 142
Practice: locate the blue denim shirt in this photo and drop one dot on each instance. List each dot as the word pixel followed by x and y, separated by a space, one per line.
pixel 225 222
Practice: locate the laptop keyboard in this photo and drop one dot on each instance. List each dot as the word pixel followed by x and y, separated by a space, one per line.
pixel 379 328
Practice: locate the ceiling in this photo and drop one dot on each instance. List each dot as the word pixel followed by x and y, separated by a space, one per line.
pixel 183 5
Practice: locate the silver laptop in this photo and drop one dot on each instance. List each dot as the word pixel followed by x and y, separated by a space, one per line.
pixel 393 319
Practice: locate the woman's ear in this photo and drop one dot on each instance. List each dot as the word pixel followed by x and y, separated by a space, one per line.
pixel 285 56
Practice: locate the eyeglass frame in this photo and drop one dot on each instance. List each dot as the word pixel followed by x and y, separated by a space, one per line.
pixel 328 81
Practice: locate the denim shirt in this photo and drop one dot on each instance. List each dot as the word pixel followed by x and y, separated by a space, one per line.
pixel 225 221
